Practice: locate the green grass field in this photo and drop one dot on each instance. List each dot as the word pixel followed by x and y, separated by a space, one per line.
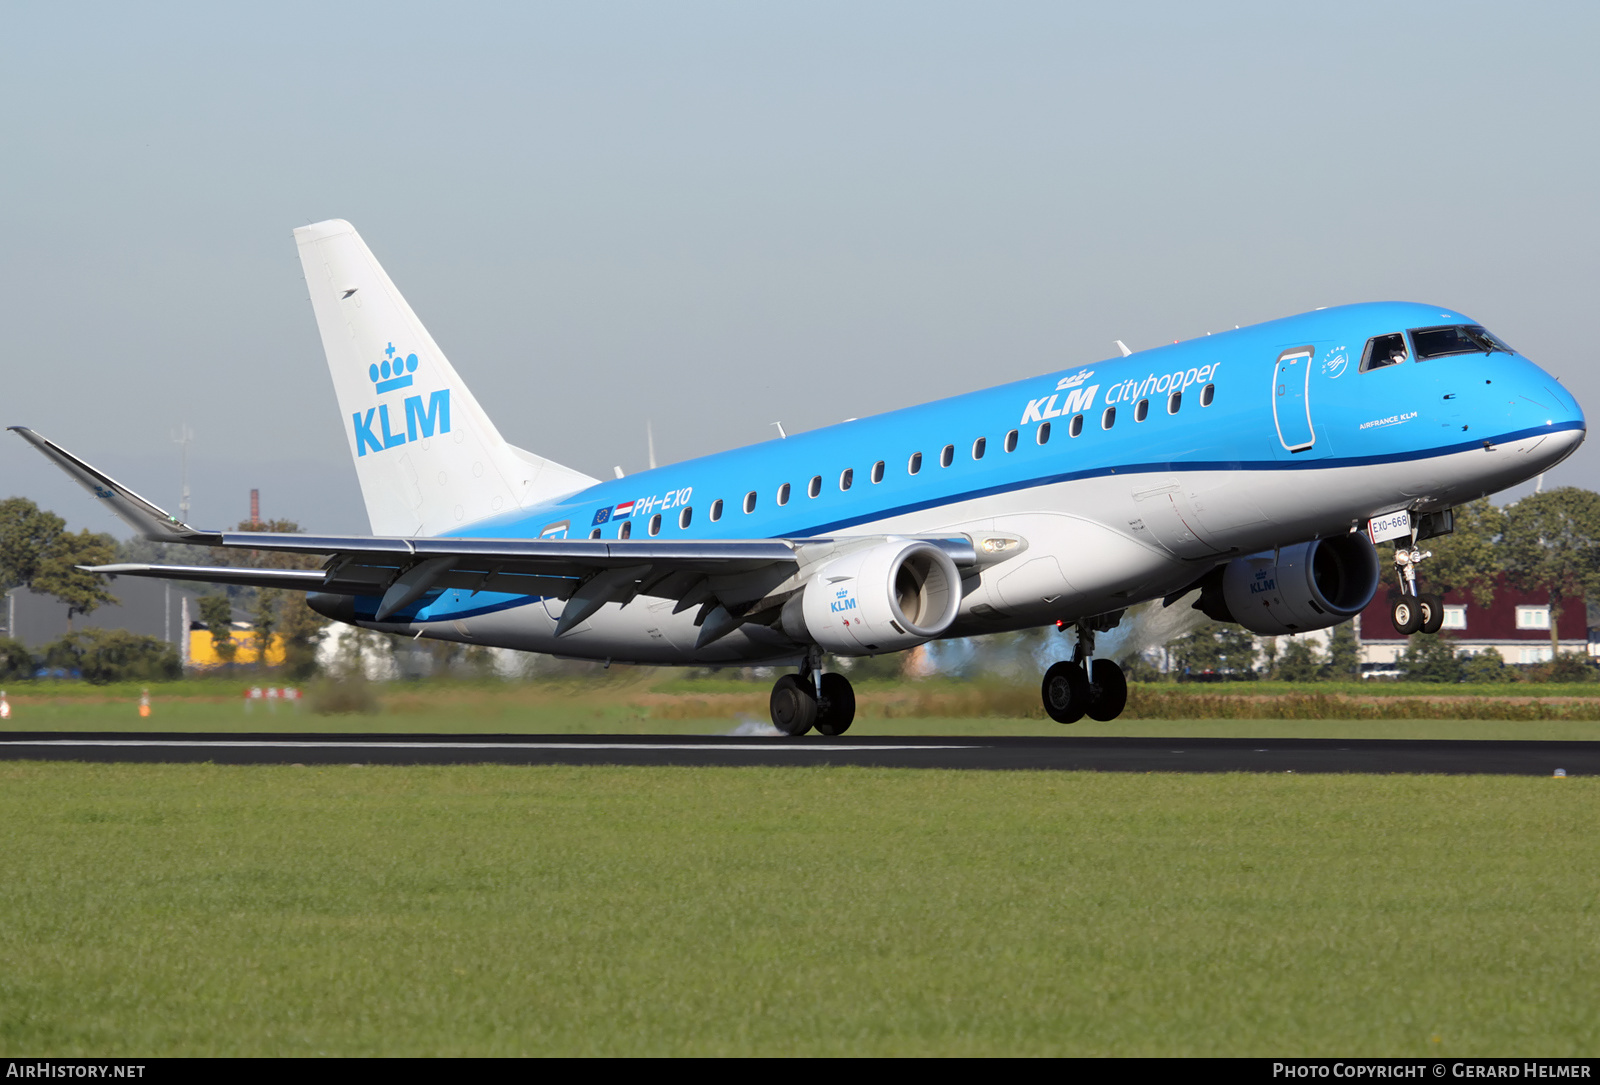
pixel 203 910
pixel 643 701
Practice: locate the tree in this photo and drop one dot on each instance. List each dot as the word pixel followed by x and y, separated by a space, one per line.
pixel 275 610
pixel 217 612
pixel 1486 666
pixel 1344 654
pixel 1298 662
pixel 1216 646
pixel 15 659
pixel 283 612
pixel 27 534
pixel 265 621
pixel 58 573
pixel 1467 560
pixel 1269 657
pixel 114 655
pixel 37 551
pixel 1431 659
pixel 1552 544
pixel 1236 646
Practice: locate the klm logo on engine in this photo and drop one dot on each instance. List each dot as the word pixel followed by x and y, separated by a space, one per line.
pixel 1263 582
pixel 842 601
pixel 376 430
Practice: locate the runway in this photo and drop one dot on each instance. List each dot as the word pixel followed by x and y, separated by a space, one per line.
pixel 1063 754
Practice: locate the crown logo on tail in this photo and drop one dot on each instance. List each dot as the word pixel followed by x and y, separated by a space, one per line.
pixel 392 372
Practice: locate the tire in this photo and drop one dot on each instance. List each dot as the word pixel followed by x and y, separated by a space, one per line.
pixel 1108 691
pixel 793 705
pixel 1406 615
pixel 1065 692
pixel 1432 608
pixel 838 707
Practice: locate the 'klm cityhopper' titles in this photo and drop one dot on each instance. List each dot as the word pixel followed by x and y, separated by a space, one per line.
pixel 376 431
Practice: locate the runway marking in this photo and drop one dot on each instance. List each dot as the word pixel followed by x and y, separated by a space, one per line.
pixel 574 746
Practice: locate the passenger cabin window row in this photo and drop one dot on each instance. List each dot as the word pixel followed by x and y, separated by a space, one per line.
pixel 947 454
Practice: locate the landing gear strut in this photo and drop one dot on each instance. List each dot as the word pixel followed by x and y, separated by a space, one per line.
pixel 813 699
pixel 1414 612
pixel 1084 686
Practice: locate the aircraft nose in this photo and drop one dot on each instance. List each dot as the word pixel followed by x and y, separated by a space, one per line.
pixel 1566 425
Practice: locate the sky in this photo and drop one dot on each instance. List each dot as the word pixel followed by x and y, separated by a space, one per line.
pixel 708 217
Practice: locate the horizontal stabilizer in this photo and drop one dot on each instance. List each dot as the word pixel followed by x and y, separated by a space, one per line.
pixel 145 518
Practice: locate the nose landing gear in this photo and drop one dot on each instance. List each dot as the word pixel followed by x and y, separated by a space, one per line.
pixel 810 699
pixel 1414 612
pixel 1084 686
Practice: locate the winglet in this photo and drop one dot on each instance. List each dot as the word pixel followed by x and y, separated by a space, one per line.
pixel 145 518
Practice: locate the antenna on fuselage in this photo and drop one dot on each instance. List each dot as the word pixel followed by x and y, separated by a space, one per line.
pixel 1122 347
pixel 617 470
pixel 650 439
pixel 780 430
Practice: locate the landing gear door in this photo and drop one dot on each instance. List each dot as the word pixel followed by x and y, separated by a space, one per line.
pixel 1291 399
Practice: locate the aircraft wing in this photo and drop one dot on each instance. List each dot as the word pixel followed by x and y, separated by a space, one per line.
pixel 740 577
pixel 133 510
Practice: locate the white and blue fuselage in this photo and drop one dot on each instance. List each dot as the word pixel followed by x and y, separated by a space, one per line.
pixel 1117 481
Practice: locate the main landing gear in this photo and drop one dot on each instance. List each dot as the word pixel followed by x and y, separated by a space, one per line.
pixel 1084 686
pixel 1414 612
pixel 813 699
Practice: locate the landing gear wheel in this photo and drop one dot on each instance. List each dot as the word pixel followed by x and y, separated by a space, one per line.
pixel 793 705
pixel 1066 692
pixel 1406 614
pixel 1108 691
pixel 837 708
pixel 1432 607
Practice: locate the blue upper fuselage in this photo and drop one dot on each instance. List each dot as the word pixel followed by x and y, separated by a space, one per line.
pixel 1291 394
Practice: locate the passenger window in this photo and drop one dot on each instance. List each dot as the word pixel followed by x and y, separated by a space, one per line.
pixel 1384 350
pixel 846 477
pixel 1044 433
pixel 947 455
pixel 815 486
pixel 595 534
pixel 1011 441
pixel 915 463
pixel 627 529
pixel 1207 394
pixel 716 510
pixel 655 524
pixel 783 494
pixel 1075 427
pixel 1174 401
pixel 1108 419
pixel 685 516
pixel 750 502
pixel 1141 411
pixel 978 446
pixel 877 472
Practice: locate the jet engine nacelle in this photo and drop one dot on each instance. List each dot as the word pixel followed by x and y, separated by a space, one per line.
pixel 1296 588
pixel 895 595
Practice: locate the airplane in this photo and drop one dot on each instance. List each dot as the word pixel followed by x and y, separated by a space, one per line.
pixel 1256 467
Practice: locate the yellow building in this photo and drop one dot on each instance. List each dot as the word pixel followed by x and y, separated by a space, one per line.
pixel 203 652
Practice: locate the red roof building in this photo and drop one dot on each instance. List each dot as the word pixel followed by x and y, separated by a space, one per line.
pixel 1515 623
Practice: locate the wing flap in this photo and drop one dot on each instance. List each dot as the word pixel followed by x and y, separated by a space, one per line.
pixel 290 579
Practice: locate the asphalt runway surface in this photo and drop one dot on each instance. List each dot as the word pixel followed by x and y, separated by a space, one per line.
pixel 1512 758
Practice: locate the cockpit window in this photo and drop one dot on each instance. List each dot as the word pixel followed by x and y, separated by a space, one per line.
pixel 1384 350
pixel 1455 339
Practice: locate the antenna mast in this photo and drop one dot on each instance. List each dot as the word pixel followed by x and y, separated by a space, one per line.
pixel 182 436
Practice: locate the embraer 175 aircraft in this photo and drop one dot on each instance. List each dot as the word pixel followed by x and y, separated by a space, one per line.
pixel 1257 466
